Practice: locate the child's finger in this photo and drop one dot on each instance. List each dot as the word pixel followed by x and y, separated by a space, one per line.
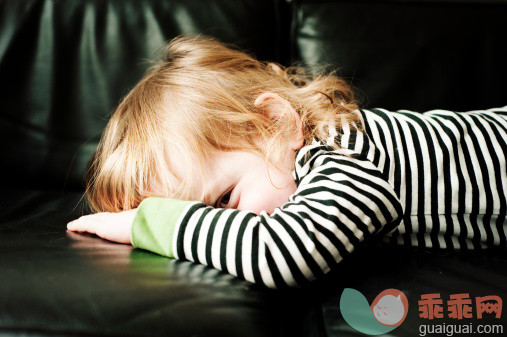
pixel 80 225
pixel 86 223
pixel 73 225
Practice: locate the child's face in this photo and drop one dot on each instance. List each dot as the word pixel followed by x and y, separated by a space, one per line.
pixel 242 180
pixel 245 181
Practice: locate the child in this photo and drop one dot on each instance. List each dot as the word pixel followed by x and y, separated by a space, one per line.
pixel 275 176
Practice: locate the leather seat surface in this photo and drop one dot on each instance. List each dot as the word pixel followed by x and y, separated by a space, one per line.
pixel 58 283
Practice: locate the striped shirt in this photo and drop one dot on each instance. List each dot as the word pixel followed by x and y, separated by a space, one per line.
pixel 436 179
pixel 449 171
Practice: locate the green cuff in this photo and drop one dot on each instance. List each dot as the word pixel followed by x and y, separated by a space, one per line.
pixel 155 222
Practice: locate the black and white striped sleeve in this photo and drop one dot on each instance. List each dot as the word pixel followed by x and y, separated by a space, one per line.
pixel 340 202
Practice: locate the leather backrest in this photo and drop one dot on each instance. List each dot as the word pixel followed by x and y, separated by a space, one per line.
pixel 64 66
pixel 409 54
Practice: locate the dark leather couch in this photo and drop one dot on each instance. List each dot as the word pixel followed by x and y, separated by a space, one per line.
pixel 64 65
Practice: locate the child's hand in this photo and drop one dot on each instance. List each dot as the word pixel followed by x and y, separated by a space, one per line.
pixel 110 226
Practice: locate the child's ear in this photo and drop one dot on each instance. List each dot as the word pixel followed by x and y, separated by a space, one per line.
pixel 275 106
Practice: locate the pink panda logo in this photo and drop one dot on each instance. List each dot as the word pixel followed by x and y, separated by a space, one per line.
pixel 390 307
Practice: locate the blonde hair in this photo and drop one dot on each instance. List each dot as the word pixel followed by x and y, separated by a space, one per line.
pixel 200 100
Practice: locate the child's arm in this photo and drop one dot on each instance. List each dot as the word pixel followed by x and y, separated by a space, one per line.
pixel 339 204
